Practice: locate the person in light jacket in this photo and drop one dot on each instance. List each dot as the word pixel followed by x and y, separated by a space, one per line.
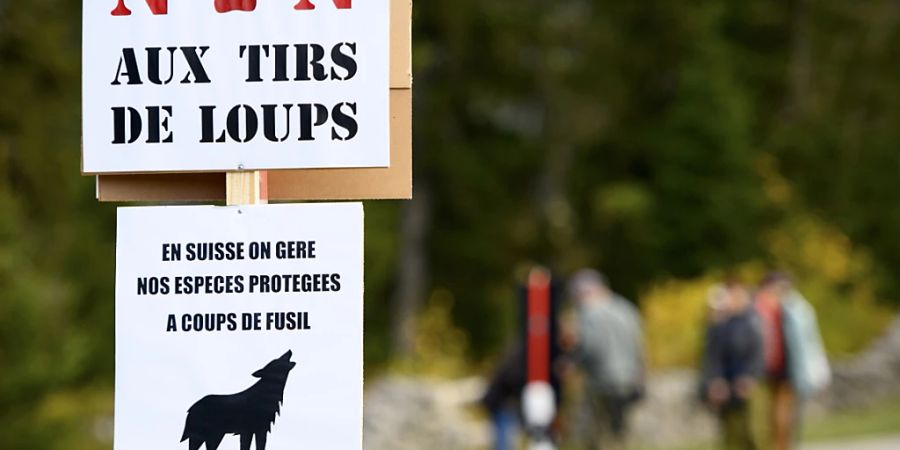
pixel 796 366
pixel 608 348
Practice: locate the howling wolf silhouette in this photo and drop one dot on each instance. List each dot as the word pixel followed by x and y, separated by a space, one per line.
pixel 248 414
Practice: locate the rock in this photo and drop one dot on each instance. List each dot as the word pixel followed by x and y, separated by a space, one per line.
pixel 412 414
pixel 670 412
pixel 867 378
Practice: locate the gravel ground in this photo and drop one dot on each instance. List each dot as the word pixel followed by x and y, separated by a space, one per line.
pixel 882 443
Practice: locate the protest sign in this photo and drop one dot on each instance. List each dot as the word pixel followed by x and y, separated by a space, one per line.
pixel 239 324
pixel 203 86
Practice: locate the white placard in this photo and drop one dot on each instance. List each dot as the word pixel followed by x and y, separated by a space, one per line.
pixel 178 86
pixel 210 365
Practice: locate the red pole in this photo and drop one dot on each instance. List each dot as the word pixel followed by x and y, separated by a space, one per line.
pixel 538 325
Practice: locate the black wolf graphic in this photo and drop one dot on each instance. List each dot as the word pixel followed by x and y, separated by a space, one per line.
pixel 248 414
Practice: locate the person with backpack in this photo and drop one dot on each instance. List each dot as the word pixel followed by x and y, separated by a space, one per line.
pixel 796 365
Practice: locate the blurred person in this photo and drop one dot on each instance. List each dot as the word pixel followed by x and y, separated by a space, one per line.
pixel 717 304
pixel 505 398
pixel 796 366
pixel 716 313
pixel 607 345
pixel 502 397
pixel 540 327
pixel 732 363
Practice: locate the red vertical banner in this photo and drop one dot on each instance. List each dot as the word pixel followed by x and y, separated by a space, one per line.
pixel 538 325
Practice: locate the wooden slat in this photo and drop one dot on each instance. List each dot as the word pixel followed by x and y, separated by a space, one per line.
pixel 244 188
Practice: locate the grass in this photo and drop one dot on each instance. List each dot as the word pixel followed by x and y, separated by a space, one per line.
pixel 878 420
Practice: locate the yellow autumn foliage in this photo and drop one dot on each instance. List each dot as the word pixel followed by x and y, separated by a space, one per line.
pixel 439 346
pixel 837 278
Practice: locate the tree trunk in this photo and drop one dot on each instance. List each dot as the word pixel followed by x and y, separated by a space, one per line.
pixel 412 272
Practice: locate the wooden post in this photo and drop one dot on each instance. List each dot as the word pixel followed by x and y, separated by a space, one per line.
pixel 247 188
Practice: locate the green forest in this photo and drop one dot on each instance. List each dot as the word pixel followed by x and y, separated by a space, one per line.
pixel 668 144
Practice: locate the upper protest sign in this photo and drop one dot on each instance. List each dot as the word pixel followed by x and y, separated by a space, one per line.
pixel 220 85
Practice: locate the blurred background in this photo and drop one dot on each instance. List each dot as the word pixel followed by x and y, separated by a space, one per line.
pixel 668 144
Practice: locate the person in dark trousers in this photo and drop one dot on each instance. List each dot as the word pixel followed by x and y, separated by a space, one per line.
pixel 502 398
pixel 607 346
pixel 733 364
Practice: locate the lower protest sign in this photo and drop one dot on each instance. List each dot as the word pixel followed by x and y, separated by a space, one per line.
pixel 239 325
